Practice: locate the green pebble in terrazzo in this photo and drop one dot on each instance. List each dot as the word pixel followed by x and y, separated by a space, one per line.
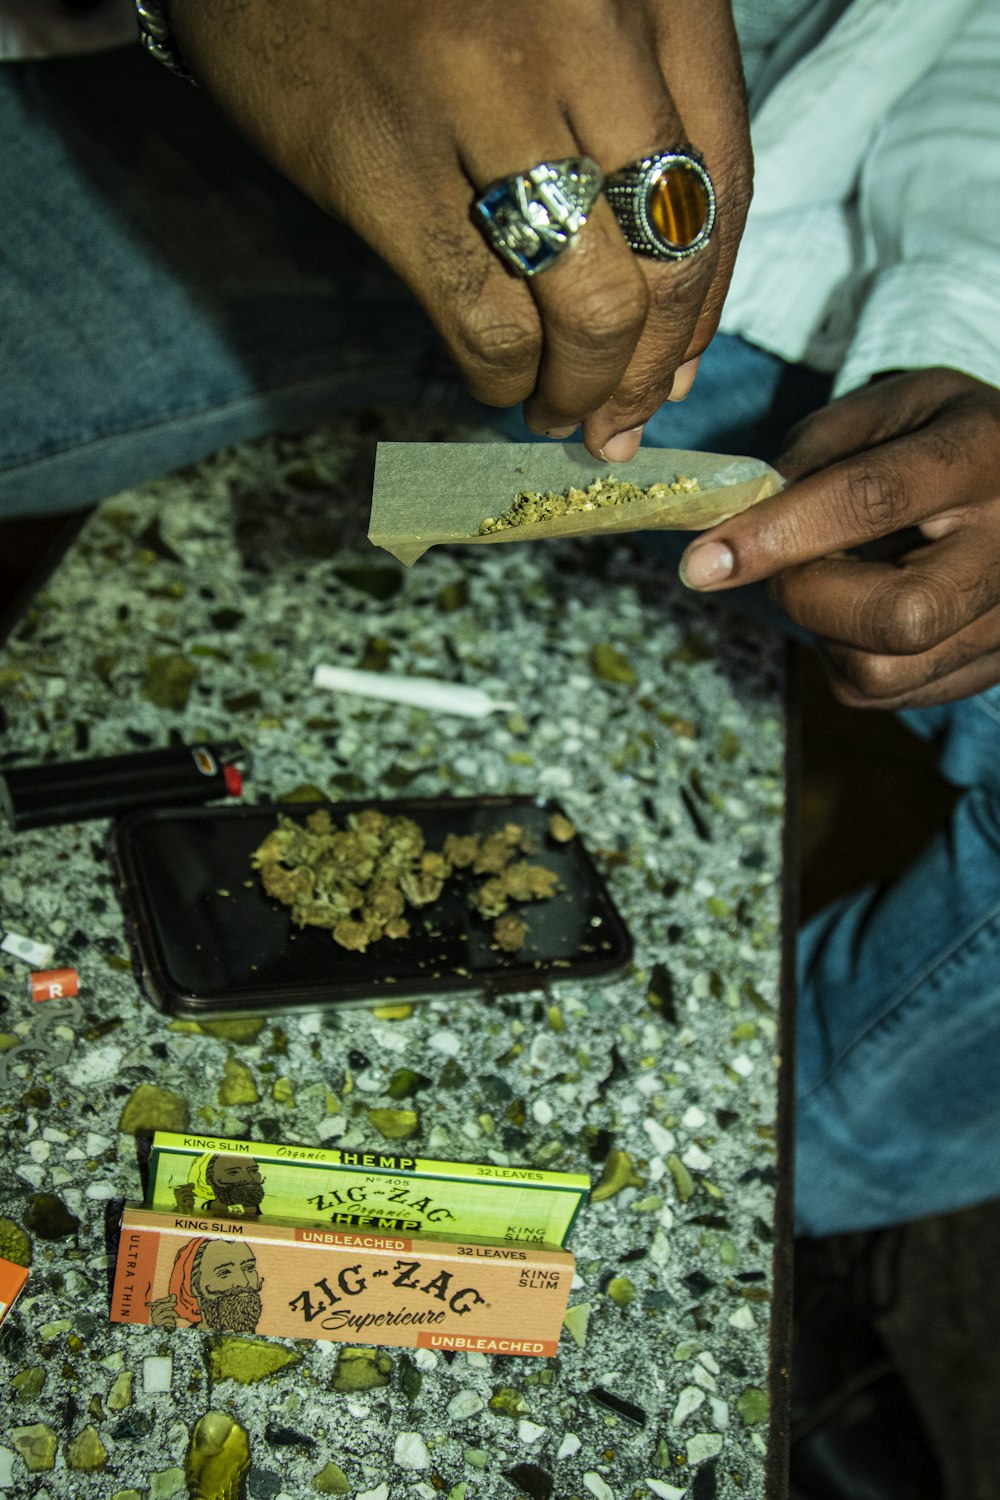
pixel 477 1457
pixel 648 1204
pixel 752 1406
pixel 457 1491
pixel 29 1383
pixel 453 596
pixel 361 1370
pixel 166 1484
pixel 554 1016
pixel 576 1320
pixel 237 1086
pixel 331 1481
pixel 218 1458
pixel 452 1076
pixel 15 1245
pixel 49 1218
pixel 86 1452
pixel 149 1108
pixel 618 1173
pixel 96 1409
pixel 663 1458
pixel 610 665
pixel 683 1181
pixel 169 680
pixel 395 1124
pixel 728 1253
pixel 404 1083
pixel 410 1378
pixel 307 792
pixel 242 1030
pixel 621 1291
pixel 127 1495
pixel 507 1402
pixel 729 745
pixel 37 1446
pixel 247 1361
pixel 283 1092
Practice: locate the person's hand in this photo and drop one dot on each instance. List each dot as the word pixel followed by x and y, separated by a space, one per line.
pixel 394 114
pixel 184 1197
pixel 921 451
pixel 163 1312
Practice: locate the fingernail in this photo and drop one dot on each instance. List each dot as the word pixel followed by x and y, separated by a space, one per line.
pixel 560 432
pixel 706 563
pixel 683 381
pixel 623 446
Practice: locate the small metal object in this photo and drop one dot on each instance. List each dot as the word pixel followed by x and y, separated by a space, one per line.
pixel 531 218
pixel 664 204
pixel 158 39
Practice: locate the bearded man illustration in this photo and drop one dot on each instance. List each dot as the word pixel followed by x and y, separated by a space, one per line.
pixel 223 1184
pixel 213 1284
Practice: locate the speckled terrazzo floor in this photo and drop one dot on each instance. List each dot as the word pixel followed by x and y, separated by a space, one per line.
pixel 201 604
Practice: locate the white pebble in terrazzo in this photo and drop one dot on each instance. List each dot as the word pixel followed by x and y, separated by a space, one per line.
pixel 689 1400
pixel 6 1468
pixel 569 1445
pixel 665 1491
pixel 703 1445
pixel 662 1140
pixel 157 1373
pixel 694 1118
pixel 465 1404
pixel 697 1159
pixel 742 1318
pixel 445 1042
pixel 598 1487
pixel 96 1064
pixel 529 1432
pixel 425 1359
pixel 708 1359
pixel 411 1452
pixel 542 1112
pixel 720 1412
pixel 381 1492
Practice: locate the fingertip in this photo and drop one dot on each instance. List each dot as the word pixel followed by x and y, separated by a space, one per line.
pixel 622 446
pixel 706 564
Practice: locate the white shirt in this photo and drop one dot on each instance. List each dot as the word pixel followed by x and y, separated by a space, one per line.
pixel 873 241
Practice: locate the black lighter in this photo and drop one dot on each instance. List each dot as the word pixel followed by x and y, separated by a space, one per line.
pixel 74 790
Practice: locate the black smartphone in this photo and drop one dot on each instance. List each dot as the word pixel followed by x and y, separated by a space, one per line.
pixel 208 942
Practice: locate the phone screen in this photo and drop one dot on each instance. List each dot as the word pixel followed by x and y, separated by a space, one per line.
pixel 208 941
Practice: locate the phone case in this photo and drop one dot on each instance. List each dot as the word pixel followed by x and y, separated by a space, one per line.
pixel 208 942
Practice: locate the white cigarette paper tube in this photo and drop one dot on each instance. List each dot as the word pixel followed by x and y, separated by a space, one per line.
pixel 420 692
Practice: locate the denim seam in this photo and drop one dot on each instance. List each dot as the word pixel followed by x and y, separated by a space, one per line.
pixel 894 1004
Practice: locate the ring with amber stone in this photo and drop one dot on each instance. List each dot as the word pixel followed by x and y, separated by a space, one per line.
pixel 664 204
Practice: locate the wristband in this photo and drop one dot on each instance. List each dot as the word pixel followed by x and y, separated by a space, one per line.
pixel 157 38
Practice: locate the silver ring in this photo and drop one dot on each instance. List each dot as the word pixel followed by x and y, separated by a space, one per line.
pixel 664 204
pixel 531 218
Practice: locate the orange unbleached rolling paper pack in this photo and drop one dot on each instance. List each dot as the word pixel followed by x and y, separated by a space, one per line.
pixel 297 1281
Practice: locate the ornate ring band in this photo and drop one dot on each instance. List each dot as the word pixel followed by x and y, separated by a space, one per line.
pixel 531 218
pixel 664 204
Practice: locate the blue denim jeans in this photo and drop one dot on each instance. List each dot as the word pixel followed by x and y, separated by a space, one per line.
pixel 163 293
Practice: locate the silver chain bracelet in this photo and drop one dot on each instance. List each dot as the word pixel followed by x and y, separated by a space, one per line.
pixel 157 38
